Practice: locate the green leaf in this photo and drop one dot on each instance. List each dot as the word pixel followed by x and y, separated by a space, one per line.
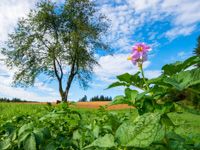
pixel 170 69
pixel 167 121
pixel 51 146
pixel 22 137
pixel 146 106
pixel 38 136
pixel 190 61
pixel 30 142
pixel 131 95
pixel 195 74
pixel 164 108
pixel 118 100
pixel 173 68
pixel 5 144
pixel 160 134
pixel 46 132
pixel 140 96
pixel 116 84
pixel 180 81
pixel 174 136
pixel 106 141
pixel 180 108
pixel 95 131
pixel 26 127
pixel 76 135
pixel 125 77
pixel 140 133
pixel 73 103
pixel 10 129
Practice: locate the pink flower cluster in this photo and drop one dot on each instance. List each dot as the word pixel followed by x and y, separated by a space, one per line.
pixel 139 53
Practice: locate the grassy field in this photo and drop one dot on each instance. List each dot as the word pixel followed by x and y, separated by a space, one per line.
pixel 186 122
pixel 67 127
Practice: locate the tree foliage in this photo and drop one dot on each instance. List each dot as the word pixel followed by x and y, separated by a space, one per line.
pixel 197 49
pixel 101 98
pixel 54 38
pixel 84 99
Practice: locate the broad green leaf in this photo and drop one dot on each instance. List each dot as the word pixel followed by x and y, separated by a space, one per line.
pixel 180 80
pixel 139 96
pixel 146 106
pixel 106 141
pixel 95 131
pixel 118 100
pixel 76 135
pixel 5 144
pixel 51 146
pixel 195 74
pixel 73 103
pixel 22 137
pixel 167 121
pixel 46 132
pixel 170 69
pixel 174 136
pixel 38 136
pixel 131 95
pixel 164 108
pixel 190 61
pixel 140 133
pixel 156 80
pixel 26 127
pixel 125 77
pixel 117 84
pixel 10 129
pixel 180 108
pixel 107 127
pixel 160 133
pixel 135 78
pixel 30 142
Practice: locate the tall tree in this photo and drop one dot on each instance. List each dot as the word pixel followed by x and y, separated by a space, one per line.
pixel 197 49
pixel 54 38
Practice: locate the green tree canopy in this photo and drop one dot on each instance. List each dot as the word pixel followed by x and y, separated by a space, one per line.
pixel 54 38
pixel 197 49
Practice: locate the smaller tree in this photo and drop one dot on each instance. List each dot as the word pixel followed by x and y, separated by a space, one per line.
pixel 197 50
pixel 84 99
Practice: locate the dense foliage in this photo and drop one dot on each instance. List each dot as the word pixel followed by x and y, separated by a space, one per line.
pixel 32 127
pixel 101 98
pixel 12 100
pixel 174 77
pixel 197 49
pixel 58 41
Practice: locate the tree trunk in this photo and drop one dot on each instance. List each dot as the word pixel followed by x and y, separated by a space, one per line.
pixel 71 77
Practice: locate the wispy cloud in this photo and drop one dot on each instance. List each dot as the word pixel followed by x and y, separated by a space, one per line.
pixel 111 66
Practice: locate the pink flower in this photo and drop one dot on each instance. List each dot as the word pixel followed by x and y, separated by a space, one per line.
pixel 139 53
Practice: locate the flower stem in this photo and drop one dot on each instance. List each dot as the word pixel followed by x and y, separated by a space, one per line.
pixel 144 77
pixel 166 142
pixel 140 65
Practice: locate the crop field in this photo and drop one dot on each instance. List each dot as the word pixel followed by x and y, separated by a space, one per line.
pixel 31 127
pixel 92 105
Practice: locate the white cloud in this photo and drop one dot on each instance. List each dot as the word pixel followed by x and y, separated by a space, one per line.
pixel 10 12
pixel 111 66
pixel 176 32
pixel 152 74
pixel 179 18
pixel 43 87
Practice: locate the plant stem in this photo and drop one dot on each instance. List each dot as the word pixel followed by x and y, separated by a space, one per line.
pixel 144 77
pixel 140 65
pixel 166 142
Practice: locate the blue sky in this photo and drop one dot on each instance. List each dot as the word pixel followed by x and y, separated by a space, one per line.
pixel 171 26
